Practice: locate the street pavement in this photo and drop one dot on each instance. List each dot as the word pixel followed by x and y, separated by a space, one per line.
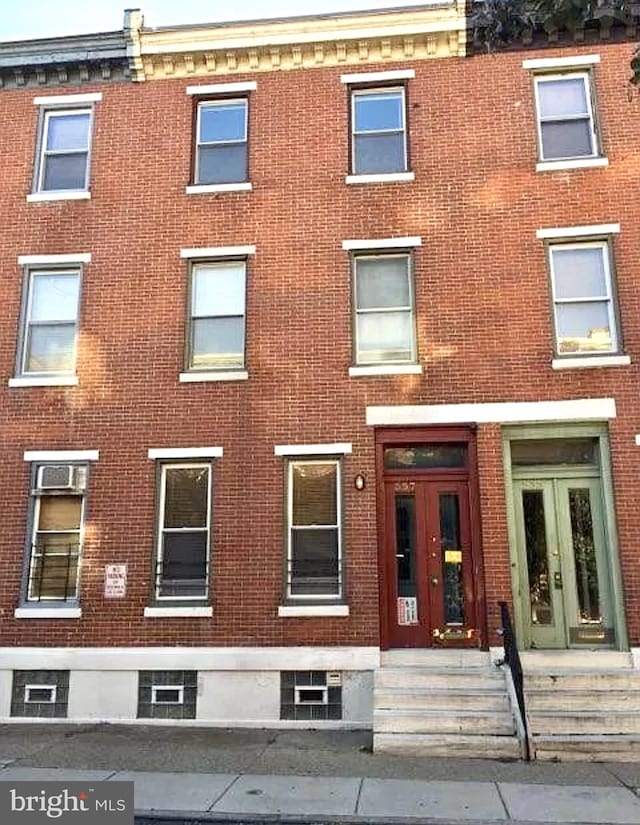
pixel 209 774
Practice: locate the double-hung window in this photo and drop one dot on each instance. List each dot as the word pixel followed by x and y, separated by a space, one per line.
pixel 221 142
pixel 64 145
pixel 384 323
pixel 50 322
pixel 56 537
pixel 184 526
pixel 583 298
pixel 314 532
pixel 217 315
pixel 566 123
pixel 379 135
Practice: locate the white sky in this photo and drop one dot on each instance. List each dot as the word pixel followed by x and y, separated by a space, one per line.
pixel 23 19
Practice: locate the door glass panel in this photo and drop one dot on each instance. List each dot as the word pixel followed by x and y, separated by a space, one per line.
pixel 537 560
pixel 584 552
pixel 406 559
pixel 534 451
pixel 425 456
pixel 451 558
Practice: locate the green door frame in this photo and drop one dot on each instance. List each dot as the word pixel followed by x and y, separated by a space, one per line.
pixel 518 580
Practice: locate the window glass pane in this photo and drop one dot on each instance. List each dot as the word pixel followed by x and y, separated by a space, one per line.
pixel 566 139
pixel 315 489
pixel 583 327
pixel 385 336
pixel 223 122
pixel 579 273
pixel 218 342
pixel 68 132
pixel 584 550
pixel 54 297
pixel 314 566
pixel 382 282
pixel 60 513
pixel 535 536
pixel 377 111
pixel 406 545
pixel 425 456
pixel 452 550
pixel 379 154
pixel 562 97
pixel 184 564
pixel 186 496
pixel 50 348
pixel 65 172
pixel 222 164
pixel 532 451
pixel 54 571
pixel 219 289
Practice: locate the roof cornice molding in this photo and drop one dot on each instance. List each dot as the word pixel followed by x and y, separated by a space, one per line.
pixel 354 39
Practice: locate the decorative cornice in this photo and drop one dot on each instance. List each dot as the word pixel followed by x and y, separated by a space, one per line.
pixel 354 39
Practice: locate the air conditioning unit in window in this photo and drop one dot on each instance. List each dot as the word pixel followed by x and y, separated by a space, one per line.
pixel 62 477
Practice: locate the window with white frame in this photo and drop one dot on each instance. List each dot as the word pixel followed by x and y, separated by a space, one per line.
pixel 583 298
pixel 379 138
pixel 182 565
pixel 64 147
pixel 314 540
pixel 56 538
pixel 217 315
pixel 48 340
pixel 566 123
pixel 384 324
pixel 221 142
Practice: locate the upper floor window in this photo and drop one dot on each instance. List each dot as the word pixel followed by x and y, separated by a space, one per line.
pixel 63 163
pixel 379 136
pixel 384 324
pixel 566 124
pixel 57 518
pixel 583 298
pixel 221 142
pixel 48 335
pixel 217 315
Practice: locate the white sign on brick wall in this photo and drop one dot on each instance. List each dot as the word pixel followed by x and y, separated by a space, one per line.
pixel 115 581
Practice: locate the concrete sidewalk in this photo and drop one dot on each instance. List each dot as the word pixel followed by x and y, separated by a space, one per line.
pixel 327 775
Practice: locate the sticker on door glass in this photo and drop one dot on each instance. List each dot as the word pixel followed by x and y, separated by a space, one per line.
pixel 407 610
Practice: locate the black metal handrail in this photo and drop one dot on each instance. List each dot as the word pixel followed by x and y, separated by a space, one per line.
pixel 512 660
pixel 54 571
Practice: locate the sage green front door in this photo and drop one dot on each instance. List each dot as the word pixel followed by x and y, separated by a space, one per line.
pixel 563 563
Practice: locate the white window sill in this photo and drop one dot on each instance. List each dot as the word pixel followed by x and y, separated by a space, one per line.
pixel 203 188
pixel 186 611
pixel 386 369
pixel 580 363
pixel 578 163
pixel 198 377
pixel 314 610
pixel 47 613
pixel 44 381
pixel 388 177
pixel 35 197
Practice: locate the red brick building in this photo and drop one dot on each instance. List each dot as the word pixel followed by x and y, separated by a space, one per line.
pixel 319 340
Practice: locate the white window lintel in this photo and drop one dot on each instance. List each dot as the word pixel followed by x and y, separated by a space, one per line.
pixel 218 251
pixel 185 452
pixel 383 243
pixel 312 449
pixel 550 63
pixel 76 258
pixel 72 100
pixel 578 231
pixel 378 77
pixel 223 88
pixel 61 455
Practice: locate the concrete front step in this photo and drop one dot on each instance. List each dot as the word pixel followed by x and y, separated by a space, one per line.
pixel 442 745
pixel 581 700
pixel 570 722
pixel 449 700
pixel 437 678
pixel 589 681
pixel 420 657
pixel 437 721
pixel 587 748
pixel 548 660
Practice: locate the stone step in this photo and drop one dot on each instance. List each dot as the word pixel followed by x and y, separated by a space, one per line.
pixel 606 723
pixel 587 748
pixel 437 678
pixel 454 699
pixel 436 721
pixel 438 745
pixel 546 660
pixel 420 657
pixel 581 700
pixel 561 680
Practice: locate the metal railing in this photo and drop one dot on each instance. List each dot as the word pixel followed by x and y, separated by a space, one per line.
pixel 53 573
pixel 512 660
pixel 181 579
